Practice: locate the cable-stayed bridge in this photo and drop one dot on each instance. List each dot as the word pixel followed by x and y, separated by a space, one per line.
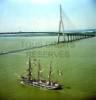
pixel 67 36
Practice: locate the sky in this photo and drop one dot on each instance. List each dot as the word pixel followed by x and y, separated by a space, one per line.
pixel 44 15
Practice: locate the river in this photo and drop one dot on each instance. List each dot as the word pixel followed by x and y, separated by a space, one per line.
pixel 76 60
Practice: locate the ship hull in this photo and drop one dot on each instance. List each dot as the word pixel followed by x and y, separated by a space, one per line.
pixel 41 84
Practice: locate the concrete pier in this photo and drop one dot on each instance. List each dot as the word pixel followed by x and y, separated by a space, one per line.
pixel 74 36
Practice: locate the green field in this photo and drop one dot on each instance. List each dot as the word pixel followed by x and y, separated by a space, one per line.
pixel 76 60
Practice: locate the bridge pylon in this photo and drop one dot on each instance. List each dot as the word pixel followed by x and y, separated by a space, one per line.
pixel 61 25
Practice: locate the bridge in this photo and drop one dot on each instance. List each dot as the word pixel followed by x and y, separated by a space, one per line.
pixel 67 36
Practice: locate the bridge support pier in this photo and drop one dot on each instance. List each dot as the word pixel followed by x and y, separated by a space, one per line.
pixel 58 37
pixel 68 38
pixel 74 36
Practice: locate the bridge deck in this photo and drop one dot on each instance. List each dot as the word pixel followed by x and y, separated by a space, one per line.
pixel 46 33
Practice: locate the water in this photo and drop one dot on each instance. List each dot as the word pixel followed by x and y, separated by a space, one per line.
pixel 76 60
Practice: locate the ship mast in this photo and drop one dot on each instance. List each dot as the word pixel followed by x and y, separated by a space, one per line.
pixel 39 68
pixel 50 72
pixel 29 70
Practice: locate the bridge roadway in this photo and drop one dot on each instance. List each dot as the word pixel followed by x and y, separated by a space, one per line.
pixel 25 32
pixel 70 36
pixel 51 33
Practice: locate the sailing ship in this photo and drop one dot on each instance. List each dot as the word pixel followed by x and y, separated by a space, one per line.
pixel 47 84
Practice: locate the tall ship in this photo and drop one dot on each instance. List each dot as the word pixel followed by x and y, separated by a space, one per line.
pixel 37 82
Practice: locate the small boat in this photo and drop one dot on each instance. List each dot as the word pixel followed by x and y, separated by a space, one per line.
pixel 47 84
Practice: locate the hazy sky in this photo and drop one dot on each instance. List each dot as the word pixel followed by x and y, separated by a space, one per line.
pixel 43 15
